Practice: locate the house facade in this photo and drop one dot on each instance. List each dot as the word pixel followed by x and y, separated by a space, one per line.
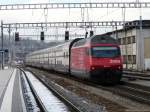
pixel 135 45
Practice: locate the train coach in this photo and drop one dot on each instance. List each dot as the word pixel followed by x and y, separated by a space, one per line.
pixel 95 58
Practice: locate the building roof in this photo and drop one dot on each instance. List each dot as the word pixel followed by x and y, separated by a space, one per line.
pixel 136 24
pixel 132 25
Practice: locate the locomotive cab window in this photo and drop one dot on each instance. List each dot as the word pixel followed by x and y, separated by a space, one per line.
pixel 105 52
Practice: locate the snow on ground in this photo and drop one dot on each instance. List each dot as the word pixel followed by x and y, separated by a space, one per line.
pixel 51 102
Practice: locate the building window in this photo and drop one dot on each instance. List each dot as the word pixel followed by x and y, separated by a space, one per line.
pixel 133 39
pixel 124 41
pixel 130 59
pixel 134 59
pixel 129 40
pixel 124 59
pixel 119 40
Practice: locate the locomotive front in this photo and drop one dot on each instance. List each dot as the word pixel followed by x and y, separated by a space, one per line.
pixel 106 63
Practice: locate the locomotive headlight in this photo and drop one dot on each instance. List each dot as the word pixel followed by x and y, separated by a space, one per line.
pixel 92 68
pixel 119 67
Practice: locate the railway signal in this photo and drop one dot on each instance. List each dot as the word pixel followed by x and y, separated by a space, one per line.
pixel 42 36
pixel 66 35
pixel 16 36
pixel 86 33
pixel 91 33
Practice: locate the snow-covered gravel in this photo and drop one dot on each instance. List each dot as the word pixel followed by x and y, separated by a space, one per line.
pixel 48 99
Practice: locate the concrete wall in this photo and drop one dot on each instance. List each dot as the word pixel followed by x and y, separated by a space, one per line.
pixel 147 47
pixel 147 52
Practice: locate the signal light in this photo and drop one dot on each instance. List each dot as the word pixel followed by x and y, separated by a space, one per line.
pixel 91 33
pixel 6 50
pixel 16 36
pixel 42 35
pixel 66 35
pixel 86 34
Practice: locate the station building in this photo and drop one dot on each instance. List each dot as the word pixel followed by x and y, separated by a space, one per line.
pixel 135 44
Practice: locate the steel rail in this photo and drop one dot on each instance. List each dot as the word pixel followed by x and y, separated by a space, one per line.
pixel 135 94
pixel 40 104
pixel 71 105
pixel 137 77
pixel 128 91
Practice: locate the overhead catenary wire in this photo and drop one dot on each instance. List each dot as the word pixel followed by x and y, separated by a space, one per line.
pixel 87 11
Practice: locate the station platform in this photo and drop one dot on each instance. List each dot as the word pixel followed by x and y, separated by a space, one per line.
pixel 11 98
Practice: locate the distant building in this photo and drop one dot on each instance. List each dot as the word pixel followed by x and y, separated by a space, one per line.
pixel 135 44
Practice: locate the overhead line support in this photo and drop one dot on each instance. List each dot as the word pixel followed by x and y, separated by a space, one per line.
pixel 69 24
pixel 76 5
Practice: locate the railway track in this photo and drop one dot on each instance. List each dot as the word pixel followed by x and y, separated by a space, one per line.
pixel 42 104
pixel 134 77
pixel 134 92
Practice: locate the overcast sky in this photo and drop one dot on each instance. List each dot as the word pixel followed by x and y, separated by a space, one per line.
pixel 62 1
pixel 100 14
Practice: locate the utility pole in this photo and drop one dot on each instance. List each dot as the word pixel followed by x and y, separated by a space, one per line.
pixel 140 43
pixel 2 45
pixel 9 50
pixel 116 31
pixel 140 48
pixel 125 37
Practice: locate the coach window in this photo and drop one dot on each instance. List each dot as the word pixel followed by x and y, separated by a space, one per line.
pixel 64 54
pixel 67 54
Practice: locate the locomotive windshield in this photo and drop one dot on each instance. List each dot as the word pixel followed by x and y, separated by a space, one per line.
pixel 105 52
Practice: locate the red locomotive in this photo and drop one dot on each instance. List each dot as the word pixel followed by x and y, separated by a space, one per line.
pixel 96 58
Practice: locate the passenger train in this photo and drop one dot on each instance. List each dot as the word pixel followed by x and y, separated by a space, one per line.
pixel 95 58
